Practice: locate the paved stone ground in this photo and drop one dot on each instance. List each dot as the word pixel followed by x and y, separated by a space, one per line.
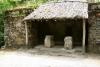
pixel 30 58
pixel 54 51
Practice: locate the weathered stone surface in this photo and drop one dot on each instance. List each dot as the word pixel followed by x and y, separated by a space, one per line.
pixel 14 29
pixel 68 42
pixel 49 41
pixel 32 34
pixel 93 31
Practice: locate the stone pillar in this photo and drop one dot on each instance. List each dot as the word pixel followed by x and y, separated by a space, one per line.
pixel 49 41
pixel 68 42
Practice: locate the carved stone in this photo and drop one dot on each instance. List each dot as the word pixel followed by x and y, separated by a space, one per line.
pixel 49 41
pixel 68 42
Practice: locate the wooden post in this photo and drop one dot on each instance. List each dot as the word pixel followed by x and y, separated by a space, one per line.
pixel 84 35
pixel 26 31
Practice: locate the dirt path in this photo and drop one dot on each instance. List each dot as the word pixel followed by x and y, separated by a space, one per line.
pixel 20 59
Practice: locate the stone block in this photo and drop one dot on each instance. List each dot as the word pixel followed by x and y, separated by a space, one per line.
pixel 68 42
pixel 49 41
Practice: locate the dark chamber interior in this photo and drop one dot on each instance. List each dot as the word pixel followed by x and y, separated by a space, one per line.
pixel 59 29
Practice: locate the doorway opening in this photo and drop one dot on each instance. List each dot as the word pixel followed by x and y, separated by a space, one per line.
pixel 59 29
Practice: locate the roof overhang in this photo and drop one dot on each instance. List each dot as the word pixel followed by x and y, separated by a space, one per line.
pixel 60 10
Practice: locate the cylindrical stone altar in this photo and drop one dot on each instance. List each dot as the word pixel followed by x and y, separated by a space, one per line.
pixel 68 42
pixel 49 41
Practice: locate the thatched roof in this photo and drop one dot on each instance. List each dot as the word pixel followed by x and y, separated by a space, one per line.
pixel 60 10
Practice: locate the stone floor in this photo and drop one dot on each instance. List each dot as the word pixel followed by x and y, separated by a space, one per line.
pixel 54 51
pixel 20 58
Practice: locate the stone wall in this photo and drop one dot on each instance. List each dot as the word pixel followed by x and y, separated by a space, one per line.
pixel 32 34
pixel 92 32
pixel 14 28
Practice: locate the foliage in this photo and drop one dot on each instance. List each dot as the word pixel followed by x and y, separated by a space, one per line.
pixel 97 0
pixel 4 5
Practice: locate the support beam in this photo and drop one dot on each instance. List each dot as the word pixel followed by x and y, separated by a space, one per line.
pixel 26 32
pixel 84 36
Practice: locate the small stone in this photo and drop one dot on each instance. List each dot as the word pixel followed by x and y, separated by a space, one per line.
pixel 68 42
pixel 49 41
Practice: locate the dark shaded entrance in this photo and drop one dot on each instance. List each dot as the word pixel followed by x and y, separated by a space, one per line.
pixel 43 30
pixel 59 29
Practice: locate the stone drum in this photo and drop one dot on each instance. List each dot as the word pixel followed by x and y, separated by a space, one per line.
pixel 49 41
pixel 68 42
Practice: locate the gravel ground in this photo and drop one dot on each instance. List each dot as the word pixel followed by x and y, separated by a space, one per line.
pixel 25 59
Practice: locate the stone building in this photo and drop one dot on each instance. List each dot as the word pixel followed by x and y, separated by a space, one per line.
pixel 94 28
pixel 15 30
pixel 56 20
